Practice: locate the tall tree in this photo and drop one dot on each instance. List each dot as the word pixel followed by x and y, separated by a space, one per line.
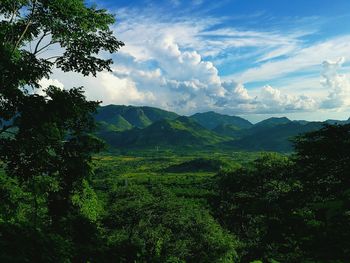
pixel 45 140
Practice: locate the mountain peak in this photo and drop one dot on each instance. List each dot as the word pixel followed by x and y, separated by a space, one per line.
pixel 211 120
pixel 273 121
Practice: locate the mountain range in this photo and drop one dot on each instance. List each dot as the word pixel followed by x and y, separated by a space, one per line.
pixel 131 127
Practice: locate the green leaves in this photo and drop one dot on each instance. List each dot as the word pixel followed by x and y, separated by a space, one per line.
pixel 292 209
pixel 155 226
pixel 47 155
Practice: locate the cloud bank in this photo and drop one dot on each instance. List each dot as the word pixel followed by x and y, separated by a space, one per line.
pixel 178 64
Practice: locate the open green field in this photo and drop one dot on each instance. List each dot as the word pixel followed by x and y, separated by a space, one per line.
pixel 186 175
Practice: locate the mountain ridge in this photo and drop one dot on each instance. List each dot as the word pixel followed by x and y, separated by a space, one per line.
pixel 133 127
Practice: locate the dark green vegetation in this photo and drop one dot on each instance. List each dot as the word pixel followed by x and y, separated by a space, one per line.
pixel 229 207
pixel 165 134
pixel 141 128
pixel 61 201
pixel 292 209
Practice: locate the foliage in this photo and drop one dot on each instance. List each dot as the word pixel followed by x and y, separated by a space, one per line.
pixel 45 138
pixel 154 226
pixel 292 210
pixel 155 206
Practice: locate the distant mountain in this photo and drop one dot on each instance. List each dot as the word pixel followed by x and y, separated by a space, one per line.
pixel 338 122
pixel 120 117
pixel 229 130
pixel 265 125
pixel 271 122
pixel 129 127
pixel 275 138
pixel 211 120
pixel 181 132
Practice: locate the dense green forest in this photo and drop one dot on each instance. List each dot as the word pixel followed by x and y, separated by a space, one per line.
pixel 218 207
pixel 163 188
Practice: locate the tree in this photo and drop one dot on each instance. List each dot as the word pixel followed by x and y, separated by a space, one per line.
pixel 156 226
pixel 323 157
pixel 45 140
pixel 323 166
pixel 292 209
pixel 256 203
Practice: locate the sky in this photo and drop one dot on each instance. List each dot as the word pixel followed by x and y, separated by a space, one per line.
pixel 251 58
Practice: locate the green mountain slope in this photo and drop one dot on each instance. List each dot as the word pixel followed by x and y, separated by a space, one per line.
pixel 229 130
pixel 118 123
pixel 276 138
pixel 211 120
pixel 155 114
pixel 129 127
pixel 181 132
pixel 271 122
pixel 127 117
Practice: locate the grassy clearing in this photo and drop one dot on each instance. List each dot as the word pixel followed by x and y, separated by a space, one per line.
pixel 150 168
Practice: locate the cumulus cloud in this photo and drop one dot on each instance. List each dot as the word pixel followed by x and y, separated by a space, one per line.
pixel 338 85
pixel 182 81
pixel 235 95
pixel 273 100
pixel 185 82
pixel 118 90
pixel 45 83
pixel 106 87
pixel 173 64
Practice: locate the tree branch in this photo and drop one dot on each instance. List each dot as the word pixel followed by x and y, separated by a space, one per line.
pixel 13 15
pixel 26 28
pixel 39 41
pixel 46 46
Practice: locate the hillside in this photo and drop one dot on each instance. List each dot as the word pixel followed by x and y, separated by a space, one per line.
pixel 130 127
pixel 338 122
pixel 181 132
pixel 127 117
pixel 271 122
pixel 276 138
pixel 211 120
pixel 229 130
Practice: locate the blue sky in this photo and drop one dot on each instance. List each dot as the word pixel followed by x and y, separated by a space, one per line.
pixel 254 58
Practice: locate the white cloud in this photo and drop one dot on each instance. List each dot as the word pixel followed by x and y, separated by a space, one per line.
pixel 306 58
pixel 45 83
pixel 273 100
pixel 118 90
pixel 338 85
pixel 138 28
pixel 106 87
pixel 169 57
pixel 173 63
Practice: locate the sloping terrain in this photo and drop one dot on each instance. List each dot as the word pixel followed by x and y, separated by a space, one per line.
pixel 129 127
pixel 165 133
pixel 211 120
